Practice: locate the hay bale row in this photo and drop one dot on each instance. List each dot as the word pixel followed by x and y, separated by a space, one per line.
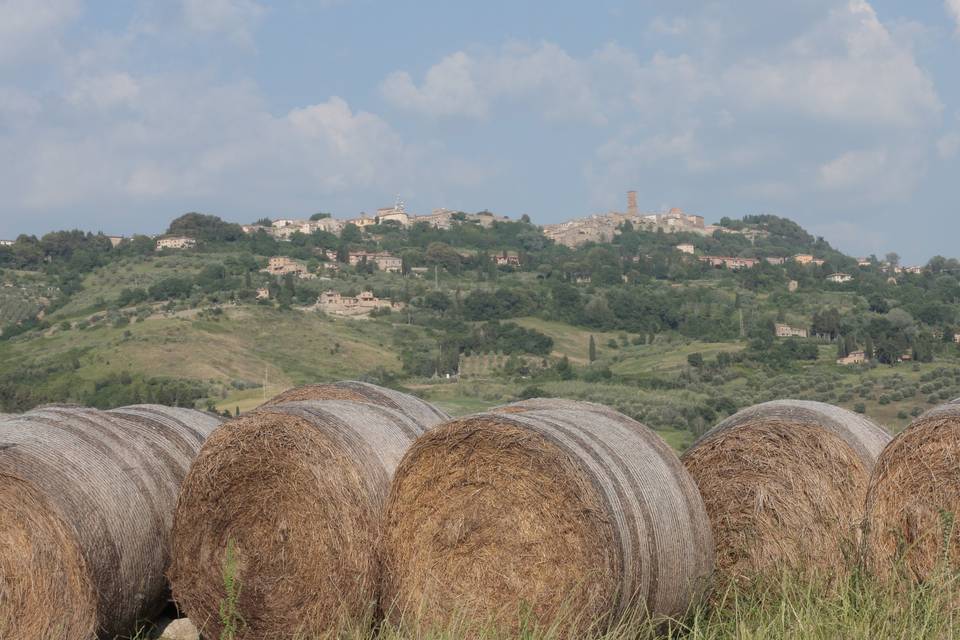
pixel 570 508
pixel 784 483
pixel 914 500
pixel 86 505
pixel 296 491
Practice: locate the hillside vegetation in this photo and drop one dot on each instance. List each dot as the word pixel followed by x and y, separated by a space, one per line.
pixel 634 323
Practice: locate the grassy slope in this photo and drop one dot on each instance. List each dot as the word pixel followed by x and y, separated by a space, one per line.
pixel 247 344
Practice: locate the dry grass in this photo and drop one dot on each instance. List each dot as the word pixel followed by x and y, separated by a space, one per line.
pixel 914 498
pixel 781 496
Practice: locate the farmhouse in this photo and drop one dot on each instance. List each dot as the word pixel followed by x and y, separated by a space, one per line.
pixel 854 357
pixel 686 248
pixel 731 263
pixel 839 278
pixel 507 259
pixel 7 243
pixel 282 265
pixel 786 331
pixel 383 260
pixel 806 258
pixel 263 294
pixel 337 304
pixel 775 260
pixel 175 242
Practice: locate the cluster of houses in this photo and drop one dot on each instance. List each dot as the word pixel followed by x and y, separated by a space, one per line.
pixel 735 263
pixel 285 228
pixel 603 227
pixel 783 330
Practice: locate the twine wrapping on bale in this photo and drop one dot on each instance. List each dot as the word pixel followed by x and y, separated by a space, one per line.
pixel 913 501
pixel 558 514
pixel 784 483
pixel 86 505
pixel 295 492
pixel 422 411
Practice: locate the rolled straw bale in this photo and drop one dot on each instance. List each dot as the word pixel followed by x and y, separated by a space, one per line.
pixel 913 502
pixel 86 505
pixel 784 483
pixel 421 410
pixel 567 508
pixel 296 492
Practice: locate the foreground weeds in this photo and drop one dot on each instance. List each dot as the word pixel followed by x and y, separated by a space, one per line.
pixel 857 608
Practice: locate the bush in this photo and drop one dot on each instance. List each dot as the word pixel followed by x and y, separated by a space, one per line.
pixel 860 407
pixel 532 391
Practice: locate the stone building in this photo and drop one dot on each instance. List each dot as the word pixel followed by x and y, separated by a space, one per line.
pixel 334 303
pixel 175 242
pixel 786 331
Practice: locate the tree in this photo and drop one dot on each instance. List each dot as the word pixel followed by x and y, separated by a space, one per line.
pixel 592 350
pixel 826 323
pixel 878 304
pixel 437 301
pixel 319 216
pixel 205 227
pixel 695 360
pixel 842 351
pixel 868 347
pixel 893 259
pixel 264 222
pixel 350 234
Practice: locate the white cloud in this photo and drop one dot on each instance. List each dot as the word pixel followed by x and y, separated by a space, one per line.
pixel 853 169
pixel 449 89
pixel 949 145
pixel 561 86
pixel 222 146
pixel 873 175
pixel 849 69
pixel 953 8
pixel 234 18
pixel 104 91
pixel 29 27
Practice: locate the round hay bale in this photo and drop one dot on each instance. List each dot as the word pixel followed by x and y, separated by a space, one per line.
pixel 784 483
pixel 421 410
pixel 913 500
pixel 577 513
pixel 295 492
pixel 86 505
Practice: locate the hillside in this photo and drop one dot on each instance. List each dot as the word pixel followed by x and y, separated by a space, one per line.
pixel 677 343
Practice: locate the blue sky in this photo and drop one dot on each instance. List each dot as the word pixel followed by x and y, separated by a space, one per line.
pixel 843 115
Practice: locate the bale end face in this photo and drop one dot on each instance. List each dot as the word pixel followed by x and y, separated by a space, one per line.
pixel 302 518
pixel 45 590
pixel 485 520
pixel 781 497
pixel 913 503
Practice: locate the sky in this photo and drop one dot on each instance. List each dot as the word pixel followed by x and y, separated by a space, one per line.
pixel 843 115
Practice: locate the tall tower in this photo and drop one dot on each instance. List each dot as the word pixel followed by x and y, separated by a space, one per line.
pixel 632 203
